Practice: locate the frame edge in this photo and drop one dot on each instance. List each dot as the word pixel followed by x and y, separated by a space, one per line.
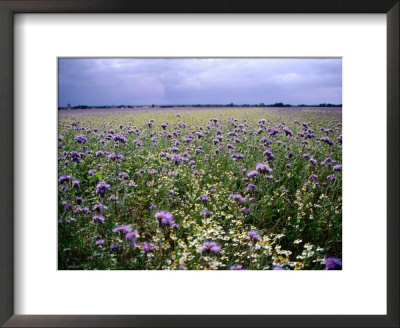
pixel 393 167
pixel 6 165
pixel 6 193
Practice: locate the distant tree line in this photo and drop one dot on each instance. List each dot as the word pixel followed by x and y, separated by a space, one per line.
pixel 279 104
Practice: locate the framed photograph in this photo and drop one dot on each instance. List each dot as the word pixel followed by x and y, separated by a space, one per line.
pixel 183 164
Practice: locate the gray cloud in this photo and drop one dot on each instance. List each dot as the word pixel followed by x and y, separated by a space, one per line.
pixel 94 81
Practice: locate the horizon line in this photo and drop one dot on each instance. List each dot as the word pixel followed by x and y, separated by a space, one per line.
pixel 278 104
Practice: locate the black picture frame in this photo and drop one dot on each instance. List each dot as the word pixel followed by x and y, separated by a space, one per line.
pixel 10 7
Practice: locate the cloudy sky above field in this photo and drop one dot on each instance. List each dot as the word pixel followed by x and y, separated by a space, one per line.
pixel 99 82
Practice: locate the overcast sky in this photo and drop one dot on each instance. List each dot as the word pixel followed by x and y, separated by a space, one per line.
pixel 199 81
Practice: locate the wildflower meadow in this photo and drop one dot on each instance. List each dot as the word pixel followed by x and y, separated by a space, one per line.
pixel 200 189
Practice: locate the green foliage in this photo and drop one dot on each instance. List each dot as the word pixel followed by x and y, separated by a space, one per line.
pixel 284 209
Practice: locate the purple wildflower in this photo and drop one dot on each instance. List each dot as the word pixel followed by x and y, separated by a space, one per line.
pixel 287 131
pixel 98 218
pixel 119 137
pixel 113 198
pixel 173 149
pixel 206 213
pixel 252 174
pixel 166 219
pixel 131 237
pixel 147 247
pixel 237 156
pixel 81 138
pixel 236 267
pixel 337 167
pixel 210 247
pixel 101 188
pixel 99 207
pixel 124 229
pixel 251 187
pixel 114 156
pixel 100 243
pixel 123 175
pixel 327 140
pixel 331 177
pixel 67 205
pixel 272 132
pixel 333 263
pixel 76 210
pixel 269 155
pixel 64 178
pixel 85 209
pixel 177 159
pixel 253 235
pixel 327 161
pixel 76 157
pixel 238 198
pixel 263 168
pixel 114 246
pixel 92 172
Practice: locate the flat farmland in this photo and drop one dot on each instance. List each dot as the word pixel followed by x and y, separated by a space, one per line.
pixel 200 188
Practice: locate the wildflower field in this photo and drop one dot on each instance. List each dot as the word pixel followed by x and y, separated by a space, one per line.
pixel 200 189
